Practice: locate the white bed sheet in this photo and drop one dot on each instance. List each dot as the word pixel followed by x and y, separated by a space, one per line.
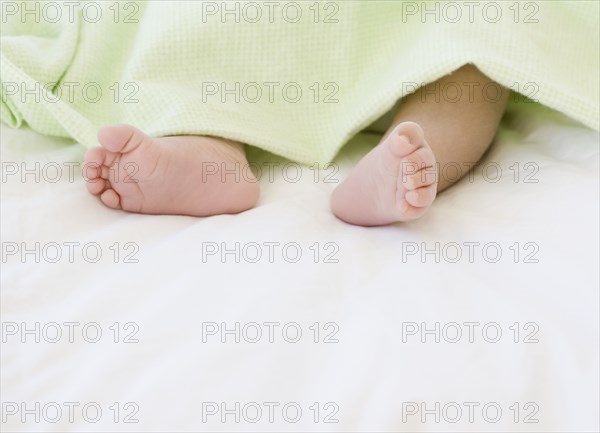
pixel 370 378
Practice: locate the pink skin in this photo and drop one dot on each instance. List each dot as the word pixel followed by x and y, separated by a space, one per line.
pixel 396 181
pixel 170 175
pixel 137 173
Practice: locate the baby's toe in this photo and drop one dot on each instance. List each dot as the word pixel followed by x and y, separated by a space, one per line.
pixel 418 160
pixel 96 186
pixel 111 199
pixel 399 146
pixel 121 138
pixel 411 131
pixel 416 180
pixel 407 211
pixel 421 197
pixel 93 161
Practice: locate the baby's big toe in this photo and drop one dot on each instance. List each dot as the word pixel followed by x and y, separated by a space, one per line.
pixel 411 132
pixel 404 144
pixel 121 138
pixel 399 146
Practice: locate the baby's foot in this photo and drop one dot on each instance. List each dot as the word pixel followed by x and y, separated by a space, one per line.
pixel 181 175
pixel 396 181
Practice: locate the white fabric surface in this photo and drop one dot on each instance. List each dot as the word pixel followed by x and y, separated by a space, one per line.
pixel 368 294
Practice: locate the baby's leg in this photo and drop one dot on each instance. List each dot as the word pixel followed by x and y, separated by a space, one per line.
pixel 432 128
pixel 181 175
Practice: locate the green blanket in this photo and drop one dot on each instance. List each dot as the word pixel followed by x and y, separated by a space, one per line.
pixel 294 78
